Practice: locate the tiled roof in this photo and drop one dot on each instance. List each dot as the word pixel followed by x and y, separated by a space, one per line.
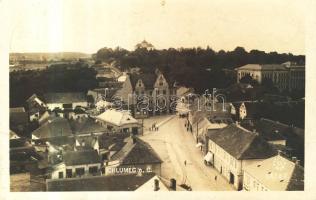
pixel 106 141
pixel 296 182
pixel 278 174
pixel 65 97
pixel 148 80
pixel 86 126
pixel 241 144
pixel 137 153
pixel 117 117
pixel 56 127
pixel 71 158
pixel 269 130
pixel 128 182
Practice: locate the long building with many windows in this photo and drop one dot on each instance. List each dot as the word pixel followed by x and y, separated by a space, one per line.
pixel 286 76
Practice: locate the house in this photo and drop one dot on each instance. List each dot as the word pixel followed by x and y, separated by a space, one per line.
pixel 271 131
pixel 136 154
pixel 77 164
pixel 211 123
pixel 154 92
pixel 55 127
pixel 232 148
pixel 244 110
pixel 286 76
pixel 86 126
pixel 19 120
pixel 274 174
pixel 23 157
pixel 86 143
pixel 122 182
pixel 111 144
pixel 287 138
pixel 65 100
pixel 119 121
pixel 202 116
pixel 36 107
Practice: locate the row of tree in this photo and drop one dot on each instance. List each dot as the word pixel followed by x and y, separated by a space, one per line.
pixel 25 83
pixel 194 67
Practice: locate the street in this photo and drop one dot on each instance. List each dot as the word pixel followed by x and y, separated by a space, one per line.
pixel 182 160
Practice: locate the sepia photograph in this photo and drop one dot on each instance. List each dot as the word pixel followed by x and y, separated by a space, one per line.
pixel 156 96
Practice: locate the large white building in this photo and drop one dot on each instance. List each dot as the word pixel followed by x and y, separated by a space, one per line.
pixel 286 76
pixel 119 121
pixel 232 148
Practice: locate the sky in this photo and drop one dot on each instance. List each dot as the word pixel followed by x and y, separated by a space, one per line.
pixel 86 26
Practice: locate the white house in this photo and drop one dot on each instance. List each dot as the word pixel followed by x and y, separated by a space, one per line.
pixel 232 148
pixel 65 100
pixel 119 121
pixel 77 164
pixel 274 174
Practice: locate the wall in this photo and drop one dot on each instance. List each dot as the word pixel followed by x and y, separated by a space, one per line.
pixel 62 168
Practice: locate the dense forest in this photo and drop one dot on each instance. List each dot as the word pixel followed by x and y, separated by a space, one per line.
pixel 194 67
pixel 55 79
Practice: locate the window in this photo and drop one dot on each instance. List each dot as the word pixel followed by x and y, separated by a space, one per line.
pixel 68 173
pixel 164 92
pixel 60 174
pixel 93 170
pixel 79 171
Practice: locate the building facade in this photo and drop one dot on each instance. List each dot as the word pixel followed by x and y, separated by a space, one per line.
pixel 152 93
pixel 232 148
pixel 286 76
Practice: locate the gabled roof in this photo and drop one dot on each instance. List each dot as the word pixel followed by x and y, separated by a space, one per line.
pixel 55 127
pixel 129 182
pixel 65 97
pixel 117 117
pixel 148 80
pixel 268 129
pixel 241 143
pixel 137 152
pixel 107 141
pixel 86 125
pixel 18 116
pixel 267 67
pixel 278 174
pixel 88 141
pixel 71 158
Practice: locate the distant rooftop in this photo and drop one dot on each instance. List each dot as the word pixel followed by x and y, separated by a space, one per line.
pixel 65 97
pixel 129 182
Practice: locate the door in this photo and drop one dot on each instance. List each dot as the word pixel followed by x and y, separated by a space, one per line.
pixel 231 178
pixel 135 130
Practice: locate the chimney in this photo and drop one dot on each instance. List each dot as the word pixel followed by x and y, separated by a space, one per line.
pixel 156 185
pixel 298 162
pixel 173 184
pixel 279 152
